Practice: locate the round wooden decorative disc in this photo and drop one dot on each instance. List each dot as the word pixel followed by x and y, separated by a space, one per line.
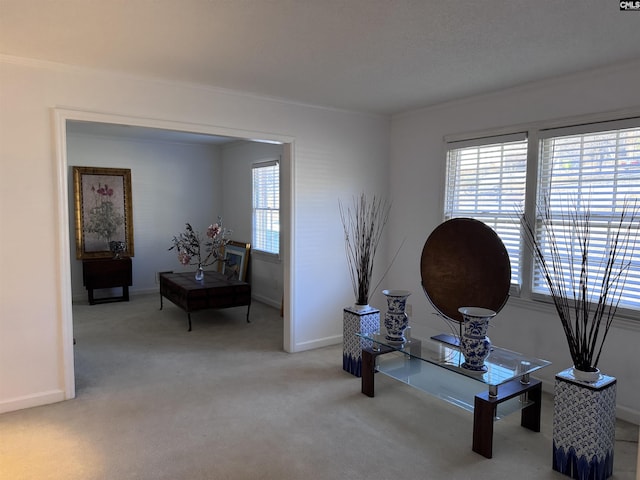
pixel 465 264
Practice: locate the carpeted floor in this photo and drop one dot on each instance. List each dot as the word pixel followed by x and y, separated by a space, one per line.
pixel 225 402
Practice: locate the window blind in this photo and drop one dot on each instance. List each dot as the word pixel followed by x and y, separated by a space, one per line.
pixel 266 207
pixel 486 180
pixel 600 171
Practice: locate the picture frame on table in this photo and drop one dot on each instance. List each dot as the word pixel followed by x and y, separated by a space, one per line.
pixel 236 260
pixel 103 212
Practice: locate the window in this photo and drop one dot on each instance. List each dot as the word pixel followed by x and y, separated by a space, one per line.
pixel 489 179
pixel 600 170
pixel 486 180
pixel 266 207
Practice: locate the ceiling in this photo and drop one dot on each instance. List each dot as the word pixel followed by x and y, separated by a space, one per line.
pixel 378 56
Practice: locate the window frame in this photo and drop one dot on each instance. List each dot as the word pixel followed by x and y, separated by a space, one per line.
pixel 268 255
pixel 535 132
pixel 494 212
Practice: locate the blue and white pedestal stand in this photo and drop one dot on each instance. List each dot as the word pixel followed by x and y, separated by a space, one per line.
pixel 357 321
pixel 584 423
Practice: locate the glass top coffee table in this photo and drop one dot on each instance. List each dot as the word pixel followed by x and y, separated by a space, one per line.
pixel 435 367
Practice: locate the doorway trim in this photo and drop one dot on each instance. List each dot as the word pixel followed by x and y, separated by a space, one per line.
pixel 60 116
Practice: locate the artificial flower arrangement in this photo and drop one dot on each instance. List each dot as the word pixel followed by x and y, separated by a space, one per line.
pixel 189 245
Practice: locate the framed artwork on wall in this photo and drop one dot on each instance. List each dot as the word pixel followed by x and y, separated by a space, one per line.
pixel 103 212
pixel 236 260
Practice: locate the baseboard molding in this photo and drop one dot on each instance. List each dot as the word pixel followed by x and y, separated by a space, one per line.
pixel 82 297
pixel 267 301
pixel 318 343
pixel 35 400
pixel 275 303
pixel 628 415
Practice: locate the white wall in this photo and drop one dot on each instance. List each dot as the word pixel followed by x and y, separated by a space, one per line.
pixel 266 272
pixel 334 154
pixel 417 182
pixel 171 184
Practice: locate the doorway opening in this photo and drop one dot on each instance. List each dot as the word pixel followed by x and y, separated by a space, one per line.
pixel 168 131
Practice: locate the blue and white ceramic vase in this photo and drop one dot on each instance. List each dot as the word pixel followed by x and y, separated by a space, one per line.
pixel 355 321
pixel 584 426
pixel 396 320
pixel 474 344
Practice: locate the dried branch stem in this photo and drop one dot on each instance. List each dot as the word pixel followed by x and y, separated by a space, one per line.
pixel 585 288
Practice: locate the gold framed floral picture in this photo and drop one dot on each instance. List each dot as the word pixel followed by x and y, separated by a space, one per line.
pixel 103 212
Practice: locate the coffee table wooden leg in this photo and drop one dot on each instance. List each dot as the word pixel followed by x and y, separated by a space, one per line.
pixel 189 317
pixel 483 413
pixel 530 416
pixel 248 308
pixel 368 371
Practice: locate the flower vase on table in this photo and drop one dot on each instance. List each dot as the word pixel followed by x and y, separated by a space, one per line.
pixel 189 246
pixel 474 344
pixel 395 319
pixel 199 273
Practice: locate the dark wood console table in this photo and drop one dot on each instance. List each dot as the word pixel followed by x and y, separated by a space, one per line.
pixel 214 291
pixel 431 366
pixel 107 273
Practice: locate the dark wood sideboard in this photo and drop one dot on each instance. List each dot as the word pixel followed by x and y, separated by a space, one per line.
pixel 107 273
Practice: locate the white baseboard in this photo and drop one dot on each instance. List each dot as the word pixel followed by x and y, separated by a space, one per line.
pixel 82 297
pixel 318 343
pixel 267 301
pixel 34 400
pixel 628 415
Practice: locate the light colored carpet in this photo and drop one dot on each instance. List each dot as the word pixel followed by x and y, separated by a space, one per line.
pixel 225 402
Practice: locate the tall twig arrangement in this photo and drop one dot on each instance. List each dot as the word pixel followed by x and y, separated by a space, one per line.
pixel 586 288
pixel 363 225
